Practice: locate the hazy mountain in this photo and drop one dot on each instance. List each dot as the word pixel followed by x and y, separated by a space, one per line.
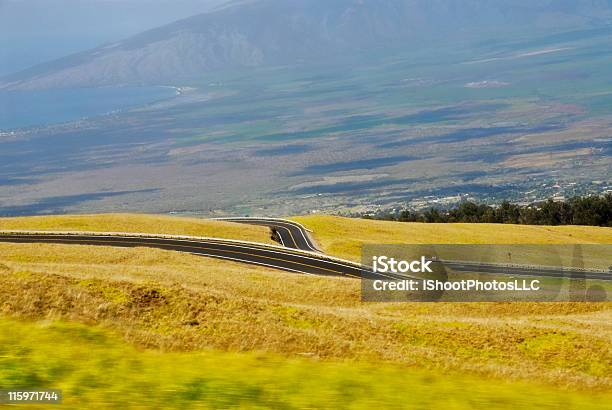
pixel 37 31
pixel 263 32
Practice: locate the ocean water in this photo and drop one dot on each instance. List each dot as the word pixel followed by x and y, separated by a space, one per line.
pixel 20 109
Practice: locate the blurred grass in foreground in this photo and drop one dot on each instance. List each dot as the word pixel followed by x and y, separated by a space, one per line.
pixel 95 369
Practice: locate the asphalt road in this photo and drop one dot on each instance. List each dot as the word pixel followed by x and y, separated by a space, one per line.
pixel 274 257
pixel 289 234
pixel 296 236
pixel 553 272
pixel 299 254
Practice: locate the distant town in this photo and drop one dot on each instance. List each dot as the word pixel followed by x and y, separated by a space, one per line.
pixel 557 191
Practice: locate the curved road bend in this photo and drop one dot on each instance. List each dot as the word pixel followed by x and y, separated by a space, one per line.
pixel 286 259
pixel 290 234
pixel 290 260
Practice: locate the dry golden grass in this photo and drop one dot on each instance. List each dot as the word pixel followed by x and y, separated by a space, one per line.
pixel 173 301
pixel 137 223
pixel 344 237
pixel 95 369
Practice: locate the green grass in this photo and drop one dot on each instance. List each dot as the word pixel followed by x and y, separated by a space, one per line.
pixel 96 369
pixel 293 96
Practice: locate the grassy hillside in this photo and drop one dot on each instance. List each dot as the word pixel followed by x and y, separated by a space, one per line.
pixel 227 333
pixel 111 374
pixel 140 224
pixel 344 237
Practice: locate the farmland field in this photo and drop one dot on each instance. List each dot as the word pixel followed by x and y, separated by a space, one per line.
pixel 489 121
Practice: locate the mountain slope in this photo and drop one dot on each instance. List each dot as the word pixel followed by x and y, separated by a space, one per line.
pixel 268 32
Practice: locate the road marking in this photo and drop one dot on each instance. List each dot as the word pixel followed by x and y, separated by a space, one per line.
pixel 301 230
pixel 280 238
pixel 252 263
pixel 277 222
pixel 229 243
pixel 191 247
pixel 291 236
pixel 225 242
pixel 306 241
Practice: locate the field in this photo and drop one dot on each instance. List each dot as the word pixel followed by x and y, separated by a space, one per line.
pixel 194 330
pixel 344 237
pixel 111 374
pixel 507 119
pixel 134 223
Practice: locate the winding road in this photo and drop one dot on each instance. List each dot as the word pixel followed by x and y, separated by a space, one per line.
pixel 288 259
pixel 290 234
pixel 298 253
